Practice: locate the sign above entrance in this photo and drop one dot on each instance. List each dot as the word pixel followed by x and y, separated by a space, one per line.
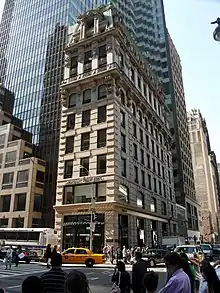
pixel 85 180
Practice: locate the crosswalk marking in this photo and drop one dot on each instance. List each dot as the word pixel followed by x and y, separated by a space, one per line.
pixel 18 271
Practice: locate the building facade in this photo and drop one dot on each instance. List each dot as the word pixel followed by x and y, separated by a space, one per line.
pixel 21 174
pixel 114 155
pixel 145 20
pixel 205 177
pixel 32 38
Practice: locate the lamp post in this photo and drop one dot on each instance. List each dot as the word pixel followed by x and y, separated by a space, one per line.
pixel 92 217
pixel 216 33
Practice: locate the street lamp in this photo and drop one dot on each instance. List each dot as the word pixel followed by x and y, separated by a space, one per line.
pixel 92 218
pixel 216 33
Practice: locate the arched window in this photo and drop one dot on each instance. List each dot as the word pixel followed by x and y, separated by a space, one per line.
pixel 87 96
pixel 134 109
pixel 122 97
pixel 140 116
pixel 102 93
pixel 72 100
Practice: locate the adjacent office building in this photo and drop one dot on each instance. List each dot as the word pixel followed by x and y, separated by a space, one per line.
pixel 205 176
pixel 21 174
pixel 32 39
pixel 145 19
pixel 115 143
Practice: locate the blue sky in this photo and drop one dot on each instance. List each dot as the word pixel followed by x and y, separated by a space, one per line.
pixel 188 22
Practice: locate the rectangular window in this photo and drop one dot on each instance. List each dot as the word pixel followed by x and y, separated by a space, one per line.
pixel 147 141
pixel 140 200
pixel 102 92
pixel 158 169
pixel 141 136
pixel 86 118
pixel 163 208
pixel 101 191
pixel 88 57
pixel 151 129
pixel 135 151
pixel 37 203
pixel 2 139
pixel 101 114
pixel 132 74
pixel 68 195
pixel 148 162
pixel 69 144
pixel 36 223
pixel 17 222
pixel 160 187
pixel 87 96
pixel 134 129
pixel 68 169
pixel 152 147
pixel 123 167
pixel 84 167
pixel 139 81
pixel 123 142
pixel 136 174
pixel 22 176
pixel 70 121
pixel 101 138
pixel 143 178
pixel 124 192
pixel 153 205
pixel 168 161
pixel 101 164
pixel 164 190
pixel 85 141
pixel 20 202
pixel 40 176
pixel 163 172
pixel 155 185
pixel 102 52
pixel 8 178
pixel 149 182
pixel 142 156
pixel 154 165
pixel 158 151
pixel 10 157
pixel 4 223
pixel 123 119
pixel 5 201
pixel 161 155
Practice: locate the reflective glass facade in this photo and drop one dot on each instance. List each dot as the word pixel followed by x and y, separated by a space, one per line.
pixel 32 38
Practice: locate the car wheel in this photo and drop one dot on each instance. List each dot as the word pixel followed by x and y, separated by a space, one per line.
pixel 89 263
pixel 152 263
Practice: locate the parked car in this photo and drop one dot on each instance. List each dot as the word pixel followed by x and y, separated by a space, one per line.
pixel 82 256
pixel 208 251
pixel 216 250
pixel 192 251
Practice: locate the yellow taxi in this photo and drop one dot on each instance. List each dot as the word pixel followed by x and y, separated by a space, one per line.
pixel 192 251
pixel 82 256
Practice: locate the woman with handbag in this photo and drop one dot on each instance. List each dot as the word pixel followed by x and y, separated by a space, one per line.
pixel 121 279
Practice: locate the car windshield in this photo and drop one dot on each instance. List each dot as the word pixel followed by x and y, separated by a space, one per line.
pixel 216 245
pixel 205 247
pixel 186 249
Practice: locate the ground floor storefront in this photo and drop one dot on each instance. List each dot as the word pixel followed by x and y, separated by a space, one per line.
pixel 116 227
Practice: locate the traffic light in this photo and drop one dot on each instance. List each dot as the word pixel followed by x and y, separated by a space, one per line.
pixel 94 216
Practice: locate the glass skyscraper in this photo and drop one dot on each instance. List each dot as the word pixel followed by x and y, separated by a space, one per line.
pixel 32 37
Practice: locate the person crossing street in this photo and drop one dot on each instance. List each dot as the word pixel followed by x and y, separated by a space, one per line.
pixel 8 258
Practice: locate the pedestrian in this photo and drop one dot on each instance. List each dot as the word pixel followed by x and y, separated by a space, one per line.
pixel 2 290
pixel 8 257
pixel 139 269
pixel 54 249
pixel 122 278
pixel 18 251
pixel 151 282
pixel 179 281
pixel 188 269
pixel 53 280
pixel 47 255
pixel 210 282
pixel 76 282
pixel 31 284
pixel 105 252
pixel 124 254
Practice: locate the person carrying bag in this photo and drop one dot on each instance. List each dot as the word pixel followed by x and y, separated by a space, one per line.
pixel 121 279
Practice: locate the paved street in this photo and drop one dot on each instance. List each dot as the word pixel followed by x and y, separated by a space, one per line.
pixel 99 278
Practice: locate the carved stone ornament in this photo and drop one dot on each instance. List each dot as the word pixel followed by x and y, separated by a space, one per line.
pixel 109 88
pixel 109 47
pixel 67 61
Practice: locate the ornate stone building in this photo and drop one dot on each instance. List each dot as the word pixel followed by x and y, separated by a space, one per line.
pixel 114 156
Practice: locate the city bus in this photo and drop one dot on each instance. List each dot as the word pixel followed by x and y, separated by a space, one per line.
pixel 29 238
